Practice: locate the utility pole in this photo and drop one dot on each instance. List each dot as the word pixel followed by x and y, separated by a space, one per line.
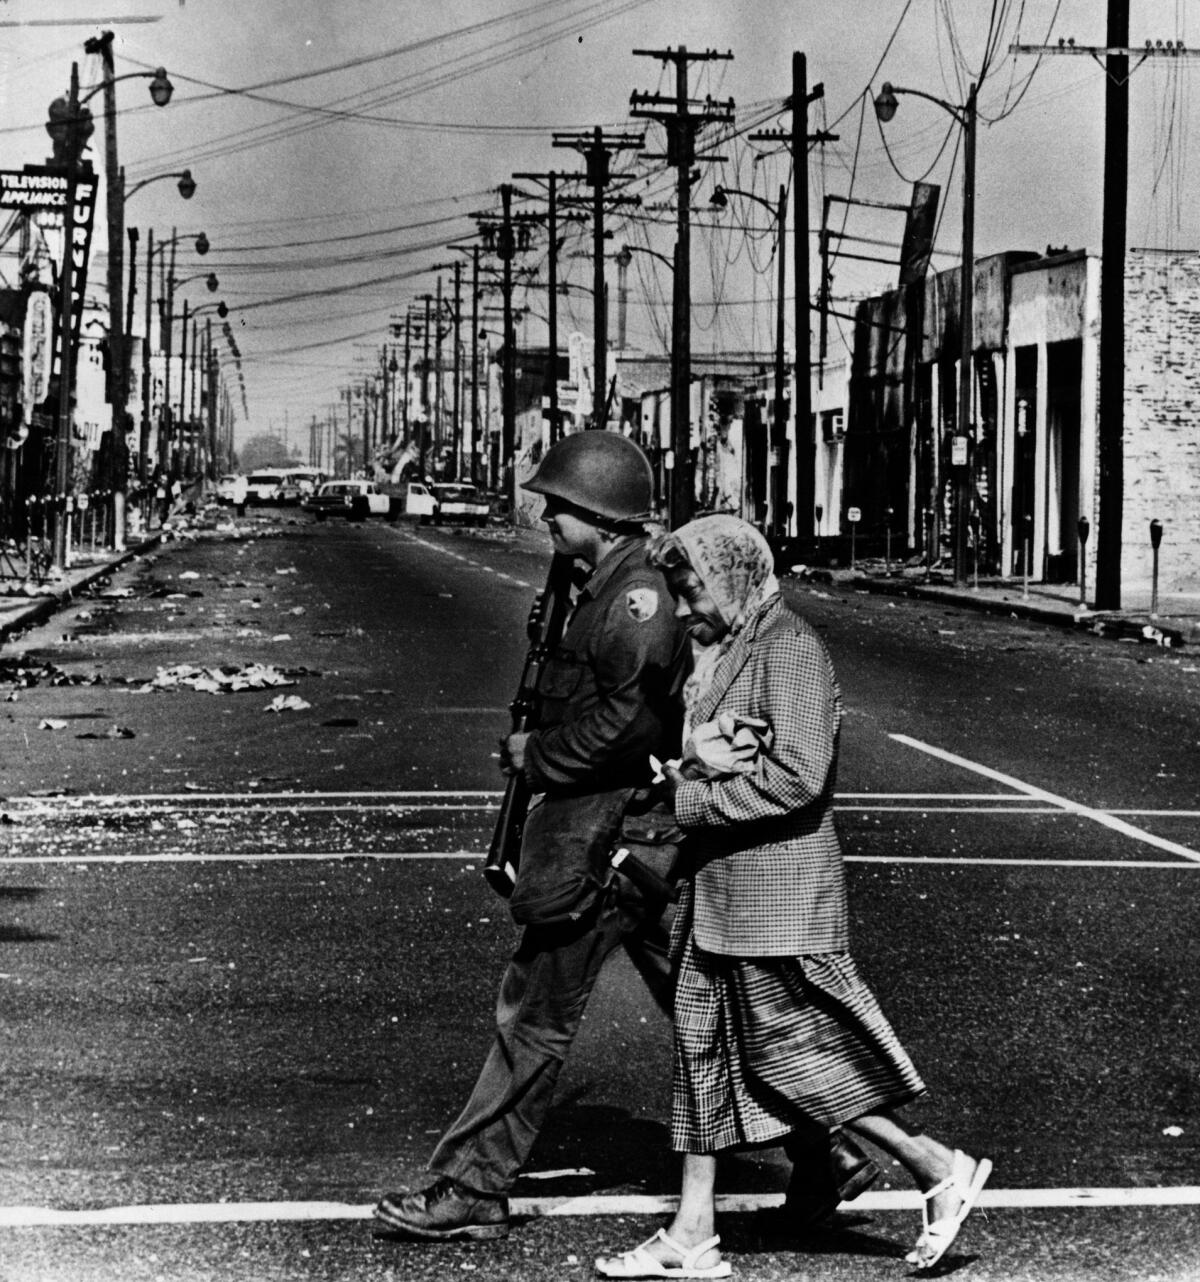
pixel 456 403
pixel 184 430
pixel 439 390
pixel 456 465
pixel 508 389
pixel 597 147
pixel 682 125
pixel 66 353
pixel 144 435
pixel 424 443
pixel 1110 489
pixel 804 500
pixel 475 424
pixel 505 238
pixel 349 430
pixel 117 454
pixel 551 378
pixel 168 298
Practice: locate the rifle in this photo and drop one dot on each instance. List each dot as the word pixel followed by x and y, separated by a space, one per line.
pixel 547 620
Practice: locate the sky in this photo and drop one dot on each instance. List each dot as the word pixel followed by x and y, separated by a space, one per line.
pixel 341 149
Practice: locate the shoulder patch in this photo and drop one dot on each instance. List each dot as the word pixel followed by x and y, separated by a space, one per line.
pixel 642 604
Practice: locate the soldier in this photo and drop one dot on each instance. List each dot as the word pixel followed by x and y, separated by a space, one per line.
pixel 609 698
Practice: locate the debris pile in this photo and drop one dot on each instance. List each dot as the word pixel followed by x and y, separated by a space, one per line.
pixel 226 679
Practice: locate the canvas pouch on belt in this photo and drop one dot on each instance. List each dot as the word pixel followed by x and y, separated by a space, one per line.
pixel 565 852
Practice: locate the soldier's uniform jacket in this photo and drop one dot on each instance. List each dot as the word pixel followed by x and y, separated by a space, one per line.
pixel 609 694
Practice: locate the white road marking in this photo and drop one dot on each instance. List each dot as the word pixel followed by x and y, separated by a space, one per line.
pixel 1074 807
pixel 333 856
pixel 592 1205
pixel 467 560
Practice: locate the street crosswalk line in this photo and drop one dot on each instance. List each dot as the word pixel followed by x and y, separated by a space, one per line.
pixel 587 1205
pixel 1032 790
pixel 416 856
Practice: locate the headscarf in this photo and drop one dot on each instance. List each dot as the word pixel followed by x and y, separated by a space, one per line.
pixel 736 565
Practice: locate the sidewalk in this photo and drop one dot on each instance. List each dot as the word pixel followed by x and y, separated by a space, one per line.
pixel 26 605
pixel 1176 623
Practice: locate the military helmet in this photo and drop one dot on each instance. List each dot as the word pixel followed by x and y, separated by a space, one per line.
pixel 602 472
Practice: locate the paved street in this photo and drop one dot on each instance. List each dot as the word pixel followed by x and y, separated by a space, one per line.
pixel 248 962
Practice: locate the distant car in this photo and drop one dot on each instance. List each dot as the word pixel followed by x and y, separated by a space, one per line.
pixel 302 481
pixel 263 487
pixel 355 500
pixel 232 489
pixel 460 503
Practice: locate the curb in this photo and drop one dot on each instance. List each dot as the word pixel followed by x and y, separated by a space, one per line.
pixel 1133 626
pixel 1020 609
pixel 41 608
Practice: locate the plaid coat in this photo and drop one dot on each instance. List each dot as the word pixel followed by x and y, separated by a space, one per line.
pixel 769 879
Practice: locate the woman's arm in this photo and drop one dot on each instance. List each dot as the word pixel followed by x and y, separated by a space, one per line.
pixel 793 690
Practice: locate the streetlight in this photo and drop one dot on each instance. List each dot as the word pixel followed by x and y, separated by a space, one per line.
pixel 186 184
pixel 779 441
pixel 966 116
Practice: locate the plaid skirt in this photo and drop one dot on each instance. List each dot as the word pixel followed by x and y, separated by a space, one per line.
pixel 764 1045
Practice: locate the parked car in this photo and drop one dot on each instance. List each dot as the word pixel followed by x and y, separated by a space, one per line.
pixel 301 481
pixel 264 486
pixel 460 503
pixel 232 489
pixel 355 500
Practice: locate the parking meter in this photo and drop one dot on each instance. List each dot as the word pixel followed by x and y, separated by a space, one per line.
pixel 1083 525
pixel 1155 541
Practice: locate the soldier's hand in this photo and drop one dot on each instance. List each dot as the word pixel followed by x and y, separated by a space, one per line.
pixel 512 753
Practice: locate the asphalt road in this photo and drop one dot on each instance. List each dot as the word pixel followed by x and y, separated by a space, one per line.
pixel 247 958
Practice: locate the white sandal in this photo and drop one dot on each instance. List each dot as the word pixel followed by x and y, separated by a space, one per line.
pixel 639 1263
pixel 937 1238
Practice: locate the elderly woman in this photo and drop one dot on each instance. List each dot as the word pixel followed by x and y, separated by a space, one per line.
pixel 774 1028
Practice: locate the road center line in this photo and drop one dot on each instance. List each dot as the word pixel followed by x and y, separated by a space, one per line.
pixel 593 1205
pixel 1074 807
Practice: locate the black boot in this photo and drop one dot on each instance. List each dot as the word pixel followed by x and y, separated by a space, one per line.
pixel 826 1170
pixel 446 1210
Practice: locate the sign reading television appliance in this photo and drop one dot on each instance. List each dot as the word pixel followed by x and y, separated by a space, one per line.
pixel 34 189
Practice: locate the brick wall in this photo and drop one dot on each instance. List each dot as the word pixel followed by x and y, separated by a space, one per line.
pixel 1162 419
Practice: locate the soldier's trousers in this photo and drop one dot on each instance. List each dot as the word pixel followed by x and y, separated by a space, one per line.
pixel 542 999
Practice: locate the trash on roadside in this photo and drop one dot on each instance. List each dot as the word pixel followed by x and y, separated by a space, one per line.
pixel 221 680
pixel 287 703
pixel 51 723
pixel 113 732
pixel 189 574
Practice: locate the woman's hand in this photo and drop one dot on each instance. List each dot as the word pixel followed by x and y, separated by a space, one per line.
pixel 668 786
